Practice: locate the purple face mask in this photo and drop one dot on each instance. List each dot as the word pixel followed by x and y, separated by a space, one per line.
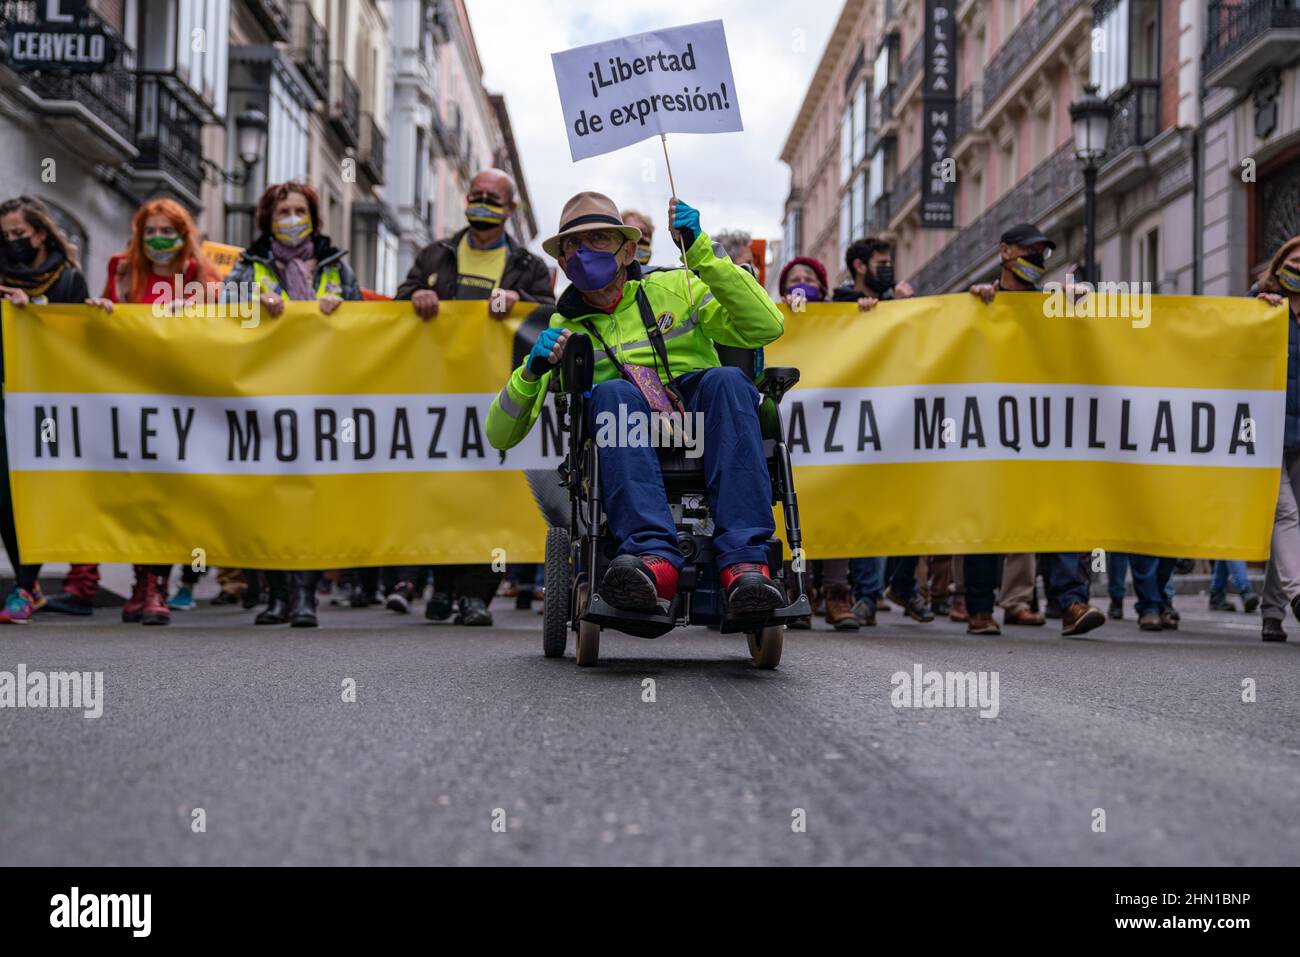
pixel 811 292
pixel 590 270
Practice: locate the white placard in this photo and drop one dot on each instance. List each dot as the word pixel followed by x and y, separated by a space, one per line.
pixel 670 81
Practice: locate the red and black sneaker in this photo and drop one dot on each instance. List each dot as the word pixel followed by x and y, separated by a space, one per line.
pixel 750 589
pixel 645 584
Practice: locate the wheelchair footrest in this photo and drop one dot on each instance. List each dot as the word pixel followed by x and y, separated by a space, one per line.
pixel 799 608
pixel 639 624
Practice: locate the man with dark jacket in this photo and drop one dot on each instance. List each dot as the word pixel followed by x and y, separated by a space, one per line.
pixel 483 262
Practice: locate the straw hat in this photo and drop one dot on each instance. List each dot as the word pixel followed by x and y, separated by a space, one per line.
pixel 585 213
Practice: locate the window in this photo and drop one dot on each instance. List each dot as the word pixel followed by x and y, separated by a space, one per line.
pixel 1006 167
pixel 846 225
pixel 860 109
pixel 286 137
pixel 846 146
pixel 860 205
pixel 876 181
pixel 1149 267
pixel 792 238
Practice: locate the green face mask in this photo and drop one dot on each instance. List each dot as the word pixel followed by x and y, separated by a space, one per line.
pixel 163 249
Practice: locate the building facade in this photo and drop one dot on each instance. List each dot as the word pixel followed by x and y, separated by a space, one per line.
pixel 1203 96
pixel 444 125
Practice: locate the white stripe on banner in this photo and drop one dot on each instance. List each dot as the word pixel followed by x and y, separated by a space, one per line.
pixel 1007 421
pixel 321 435
pixel 266 435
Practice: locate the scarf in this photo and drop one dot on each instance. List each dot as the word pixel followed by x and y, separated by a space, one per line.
pixel 292 260
pixel 32 281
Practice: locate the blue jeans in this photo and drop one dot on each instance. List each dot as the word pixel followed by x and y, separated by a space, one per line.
pixel 903 581
pixel 1116 569
pixel 738 487
pixel 867 575
pixel 1225 569
pixel 1065 575
pixel 1153 582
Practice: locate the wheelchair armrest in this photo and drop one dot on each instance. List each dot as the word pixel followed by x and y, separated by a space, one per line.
pixel 776 381
pixel 577 364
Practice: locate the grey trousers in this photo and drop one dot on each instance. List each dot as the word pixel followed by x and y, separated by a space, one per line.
pixel 1282 580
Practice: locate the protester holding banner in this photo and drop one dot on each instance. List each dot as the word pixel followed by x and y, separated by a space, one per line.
pixel 37 265
pixel 481 261
pixel 163 264
pixel 1281 284
pixel 291 260
pixel 712 301
pixel 870 263
pixel 1023 252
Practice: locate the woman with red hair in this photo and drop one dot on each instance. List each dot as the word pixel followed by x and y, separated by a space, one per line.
pixel 163 263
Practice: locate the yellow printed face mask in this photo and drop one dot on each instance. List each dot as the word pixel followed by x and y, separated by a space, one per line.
pixel 291 230
pixel 483 213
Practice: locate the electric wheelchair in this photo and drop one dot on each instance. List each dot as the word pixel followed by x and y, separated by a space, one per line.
pixel 578 554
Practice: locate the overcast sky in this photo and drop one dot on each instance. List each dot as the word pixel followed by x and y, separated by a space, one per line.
pixel 736 180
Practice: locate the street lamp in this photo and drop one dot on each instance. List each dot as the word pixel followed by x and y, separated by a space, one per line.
pixel 250 137
pixel 1090 117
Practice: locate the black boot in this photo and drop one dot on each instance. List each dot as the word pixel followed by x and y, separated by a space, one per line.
pixel 277 611
pixel 302 599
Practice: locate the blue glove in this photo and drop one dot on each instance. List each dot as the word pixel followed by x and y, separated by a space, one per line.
pixel 539 359
pixel 687 222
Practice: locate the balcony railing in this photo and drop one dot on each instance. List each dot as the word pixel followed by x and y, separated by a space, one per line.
pixel 1025 43
pixel 908 182
pixel 311 44
pixel 970 106
pixel 345 103
pixel 168 134
pixel 1136 116
pixel 373 146
pixel 887 96
pixel 878 216
pixel 274 16
pixel 1234 26
pixel 911 67
pixel 1052 182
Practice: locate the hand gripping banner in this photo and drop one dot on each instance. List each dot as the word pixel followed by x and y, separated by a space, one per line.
pixel 938 425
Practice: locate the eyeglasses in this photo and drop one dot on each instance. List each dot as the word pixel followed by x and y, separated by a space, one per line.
pixel 601 240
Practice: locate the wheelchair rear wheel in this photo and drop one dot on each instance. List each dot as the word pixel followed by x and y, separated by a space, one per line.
pixel 588 650
pixel 765 646
pixel 555 621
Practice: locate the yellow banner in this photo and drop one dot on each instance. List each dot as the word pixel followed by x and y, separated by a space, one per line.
pixel 931 426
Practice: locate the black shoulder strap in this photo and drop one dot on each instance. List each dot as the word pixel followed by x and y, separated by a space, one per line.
pixel 656 337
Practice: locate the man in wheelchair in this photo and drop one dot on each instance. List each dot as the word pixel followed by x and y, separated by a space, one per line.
pixel 654 339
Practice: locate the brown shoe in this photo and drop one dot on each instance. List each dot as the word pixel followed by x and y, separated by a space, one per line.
pixel 958 610
pixel 983 623
pixel 1080 618
pixel 1150 622
pixel 1022 615
pixel 839 608
pixel 1168 620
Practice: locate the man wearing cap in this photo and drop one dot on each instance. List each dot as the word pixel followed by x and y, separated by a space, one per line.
pixel 687 312
pixel 1023 254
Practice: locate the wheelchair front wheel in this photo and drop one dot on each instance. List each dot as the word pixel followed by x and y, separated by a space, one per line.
pixel 588 650
pixel 555 621
pixel 765 646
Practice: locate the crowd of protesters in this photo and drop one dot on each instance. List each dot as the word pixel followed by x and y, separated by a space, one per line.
pixel 292 260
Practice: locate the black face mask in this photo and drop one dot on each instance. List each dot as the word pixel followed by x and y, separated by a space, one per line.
pixel 19 252
pixel 883 280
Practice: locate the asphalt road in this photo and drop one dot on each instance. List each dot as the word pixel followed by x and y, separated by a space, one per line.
pixel 455 728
